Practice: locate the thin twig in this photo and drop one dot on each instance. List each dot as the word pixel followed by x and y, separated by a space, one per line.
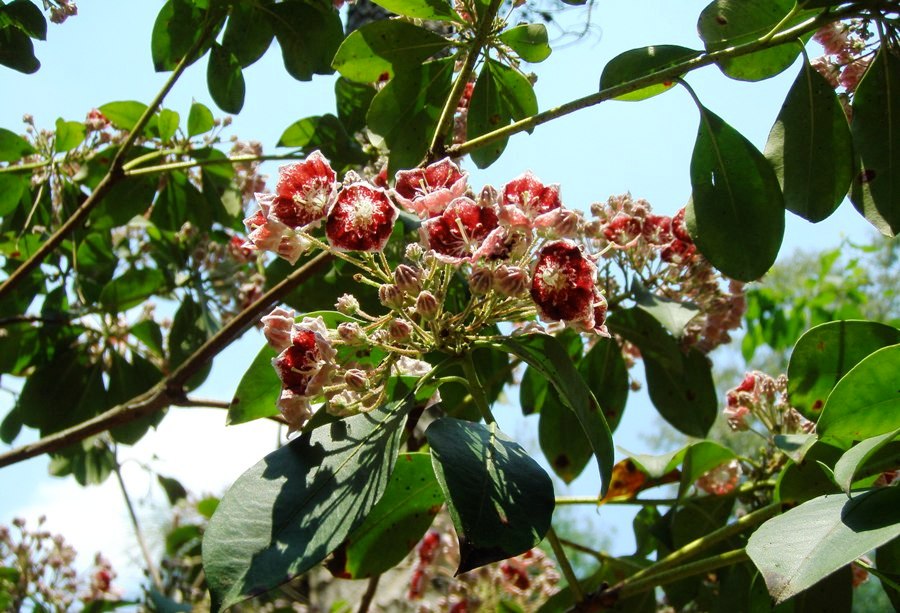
pixel 138 533
pixel 367 598
pixel 563 560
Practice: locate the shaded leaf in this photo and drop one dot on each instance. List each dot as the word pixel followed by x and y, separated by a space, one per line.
pixel 638 63
pixel 327 134
pixel 132 288
pixel 13 147
pixel 248 34
pixel 736 214
pixel 640 327
pixel 309 37
pixel 173 489
pixel 672 314
pixel 685 396
pixel 352 100
pixel 24 15
pixel 12 188
pixel 853 460
pixel 808 478
pixel 225 80
pixel 17 51
pixel 500 499
pixel 178 26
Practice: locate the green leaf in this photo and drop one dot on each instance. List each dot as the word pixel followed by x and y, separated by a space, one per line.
pixel 25 16
pixel 546 355
pixel 167 122
pixel 638 63
pixel 725 23
pixel 123 115
pixel 12 188
pixel 795 550
pixel 684 396
pixel 853 460
pixel 561 438
pixel 438 10
pixel 825 353
pixel 225 80
pixel 173 489
pixel 148 332
pixel 866 401
pixel 130 197
pixel 638 326
pixel 875 191
pixel 395 524
pixel 297 505
pixel 258 391
pixel 384 47
pixel 309 37
pixel 736 215
pixel 178 26
pixel 810 147
pixel 90 462
pixel 17 51
pixel 887 559
pixel 11 426
pixel 131 289
pixel 700 458
pixel 500 500
pixel 180 201
pixel 126 380
pixel 200 119
pixel 405 113
pixel 327 134
pixel 808 477
pixel 672 314
pixel 191 327
pixel 605 372
pixel 529 41
pixel 795 445
pixel 352 100
pixel 13 147
pixel 248 34
pixel 69 134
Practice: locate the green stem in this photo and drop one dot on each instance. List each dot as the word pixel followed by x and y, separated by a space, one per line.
pixel 150 156
pixel 791 13
pixel 237 159
pixel 476 389
pixel 632 585
pixel 744 489
pixel 24 167
pixel 667 74
pixel 602 557
pixel 565 566
pixel 436 149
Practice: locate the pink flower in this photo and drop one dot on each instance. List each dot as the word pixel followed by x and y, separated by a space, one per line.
pixel 623 230
pixel 304 191
pixel 294 408
pixel 307 363
pixel 720 480
pixel 657 229
pixel 277 327
pixel 679 229
pixel 677 252
pixel 530 196
pixel 560 223
pixel 264 233
pixel 853 73
pixel 833 37
pixel 361 219
pixel 426 191
pixel 459 231
pixel 562 285
pixel 737 417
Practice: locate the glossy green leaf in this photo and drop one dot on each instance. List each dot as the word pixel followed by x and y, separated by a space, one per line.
pixel 865 402
pixel 672 314
pixel 810 147
pixel 641 62
pixel 562 439
pixel 405 113
pixel 500 500
pixel 127 379
pixel 225 80
pixel 248 34
pixel 352 100
pixel 875 191
pixel 327 134
pixel 395 524
pixel 700 458
pixel 853 460
pixel 177 28
pixel 808 477
pixel 13 147
pixel 439 10
pixel 826 353
pixel 494 373
pixel 383 47
pixel 547 356
pixel 258 391
pixel 726 23
pixel 69 134
pixel 25 16
pixel 736 214
pixel 297 505
pixel 685 396
pixel 795 550
pixel 200 119
pixel 640 327
pixel 309 37
pixel 17 51
pixel 167 123
pixel 603 369
pixel 529 41
pixel 125 114
pixel 132 288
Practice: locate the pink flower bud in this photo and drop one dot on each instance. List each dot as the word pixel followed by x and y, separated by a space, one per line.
pixel 347 304
pixel 511 281
pixel 737 417
pixel 277 327
pixel 407 279
pixel 400 330
pixel 427 305
pixel 720 480
pixel 356 379
pixel 391 296
pixel 481 281
pixel 350 332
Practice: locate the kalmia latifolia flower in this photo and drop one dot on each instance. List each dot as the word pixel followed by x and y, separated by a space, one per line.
pixel 623 230
pixel 278 326
pixel 720 480
pixel 361 219
pixel 304 192
pixel 427 191
pixel 459 230
pixel 527 194
pixel 562 284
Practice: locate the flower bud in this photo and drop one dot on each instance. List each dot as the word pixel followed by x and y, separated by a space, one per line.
pixel 427 305
pixel 356 379
pixel 414 252
pixel 391 296
pixel 489 196
pixel 407 279
pixel 481 281
pixel 347 304
pixel 511 281
pixel 400 330
pixel 277 327
pixel 351 333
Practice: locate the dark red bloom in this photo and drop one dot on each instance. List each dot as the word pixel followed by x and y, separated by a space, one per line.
pixel 622 229
pixel 304 192
pixel 459 230
pixel 657 229
pixel 679 229
pixel 530 195
pixel 361 219
pixel 678 252
pixel 297 364
pixel 562 285
pixel 426 191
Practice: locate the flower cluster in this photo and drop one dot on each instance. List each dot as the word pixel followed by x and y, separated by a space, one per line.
pixel 764 398
pixel 847 55
pixel 720 480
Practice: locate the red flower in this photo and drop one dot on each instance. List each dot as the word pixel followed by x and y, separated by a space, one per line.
pixel 678 252
pixel 657 229
pixel 562 285
pixel 623 230
pixel 426 191
pixel 304 192
pixel 459 230
pixel 361 219
pixel 305 366
pixel 679 229
pixel 530 195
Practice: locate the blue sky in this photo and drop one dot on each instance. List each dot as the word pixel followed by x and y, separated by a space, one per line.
pixel 103 55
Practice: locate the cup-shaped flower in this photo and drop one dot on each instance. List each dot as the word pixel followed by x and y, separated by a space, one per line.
pixel 623 230
pixel 361 219
pixel 527 194
pixel 307 364
pixel 657 229
pixel 278 326
pixel 304 191
pixel 562 285
pixel 457 233
pixel 427 191
pixel 679 228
